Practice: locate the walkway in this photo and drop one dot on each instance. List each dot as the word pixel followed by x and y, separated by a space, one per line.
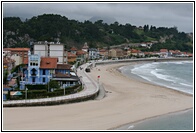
pixel 90 91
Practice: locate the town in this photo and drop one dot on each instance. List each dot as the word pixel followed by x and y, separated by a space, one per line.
pixel 48 69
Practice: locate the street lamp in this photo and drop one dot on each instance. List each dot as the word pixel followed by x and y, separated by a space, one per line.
pixel 26 93
pixel 81 81
pixel 48 83
pixel 98 79
pixel 64 90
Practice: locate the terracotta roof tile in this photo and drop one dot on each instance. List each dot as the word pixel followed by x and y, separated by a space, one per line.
pixel 48 62
pixel 70 55
pixel 163 50
pixel 61 75
pixel 63 66
pixel 19 49
pixel 80 52
pixel 6 49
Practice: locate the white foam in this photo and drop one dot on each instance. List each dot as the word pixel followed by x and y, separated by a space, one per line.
pixel 130 127
pixel 186 85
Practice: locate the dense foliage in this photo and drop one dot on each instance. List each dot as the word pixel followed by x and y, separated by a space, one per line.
pixel 52 27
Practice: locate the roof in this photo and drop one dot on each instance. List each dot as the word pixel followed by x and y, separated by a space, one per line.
pixel 61 75
pixel 134 51
pixel 6 49
pixel 19 49
pixel 163 50
pixel 80 52
pixel 48 62
pixel 102 50
pixel 73 49
pixel 63 66
pixel 70 55
pixel 93 49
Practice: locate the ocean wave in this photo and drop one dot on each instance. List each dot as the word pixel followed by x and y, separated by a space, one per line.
pixel 188 85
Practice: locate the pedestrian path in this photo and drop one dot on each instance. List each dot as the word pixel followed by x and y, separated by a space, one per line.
pixel 91 90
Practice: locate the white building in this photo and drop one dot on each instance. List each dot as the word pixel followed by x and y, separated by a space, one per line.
pixel 51 49
pixel 17 58
pixel 93 54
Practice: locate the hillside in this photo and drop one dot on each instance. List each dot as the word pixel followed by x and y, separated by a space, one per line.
pixel 50 27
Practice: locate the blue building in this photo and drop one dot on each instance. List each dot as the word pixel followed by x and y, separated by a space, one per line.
pixel 40 70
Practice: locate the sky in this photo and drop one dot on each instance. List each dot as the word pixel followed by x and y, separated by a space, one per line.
pixel 157 14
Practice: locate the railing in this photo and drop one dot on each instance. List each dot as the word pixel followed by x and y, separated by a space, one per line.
pixel 88 93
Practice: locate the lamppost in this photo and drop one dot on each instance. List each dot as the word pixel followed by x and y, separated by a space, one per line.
pixel 81 81
pixel 64 90
pixel 98 79
pixel 48 83
pixel 26 93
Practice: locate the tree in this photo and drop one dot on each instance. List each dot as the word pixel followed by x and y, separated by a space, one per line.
pixel 53 84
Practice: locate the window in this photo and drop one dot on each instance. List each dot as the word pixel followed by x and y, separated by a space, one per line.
pixel 44 80
pixel 44 72
pixel 33 79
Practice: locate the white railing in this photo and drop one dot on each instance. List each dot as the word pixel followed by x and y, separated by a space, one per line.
pixel 88 92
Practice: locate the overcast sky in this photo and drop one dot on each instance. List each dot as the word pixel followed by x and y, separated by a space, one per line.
pixel 138 14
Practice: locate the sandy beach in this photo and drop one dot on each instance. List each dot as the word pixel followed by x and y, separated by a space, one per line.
pixel 127 100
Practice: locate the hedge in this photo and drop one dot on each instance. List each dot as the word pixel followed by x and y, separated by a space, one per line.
pixel 35 94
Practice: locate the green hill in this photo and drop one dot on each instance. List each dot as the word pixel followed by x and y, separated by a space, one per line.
pixel 51 27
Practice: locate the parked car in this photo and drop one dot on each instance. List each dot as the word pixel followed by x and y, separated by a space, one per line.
pixel 87 69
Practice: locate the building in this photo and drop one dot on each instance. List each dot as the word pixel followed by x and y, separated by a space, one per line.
pixel 18 59
pixel 81 56
pixel 103 53
pixel 8 64
pixel 73 50
pixel 135 52
pixel 85 47
pixel 164 53
pixel 40 70
pixel 93 53
pixel 51 49
pixel 116 53
pixel 21 52
pixel 71 57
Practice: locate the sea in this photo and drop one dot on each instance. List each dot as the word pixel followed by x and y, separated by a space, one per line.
pixel 177 75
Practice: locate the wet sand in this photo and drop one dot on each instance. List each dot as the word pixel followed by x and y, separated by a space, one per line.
pixel 127 100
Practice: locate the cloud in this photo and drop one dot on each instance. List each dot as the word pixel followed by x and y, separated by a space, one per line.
pixel 157 14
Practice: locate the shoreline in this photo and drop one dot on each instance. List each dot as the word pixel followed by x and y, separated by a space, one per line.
pixel 127 100
pixel 146 119
pixel 138 78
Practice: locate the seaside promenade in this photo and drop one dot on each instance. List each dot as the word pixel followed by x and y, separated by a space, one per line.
pixel 91 87
pixel 91 90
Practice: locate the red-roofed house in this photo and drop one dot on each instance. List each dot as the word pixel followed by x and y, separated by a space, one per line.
pixel 40 70
pixel 163 53
pixel 71 57
pixel 135 52
pixel 73 50
pixel 22 52
pixel 81 56
pixel 48 63
pixel 103 53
